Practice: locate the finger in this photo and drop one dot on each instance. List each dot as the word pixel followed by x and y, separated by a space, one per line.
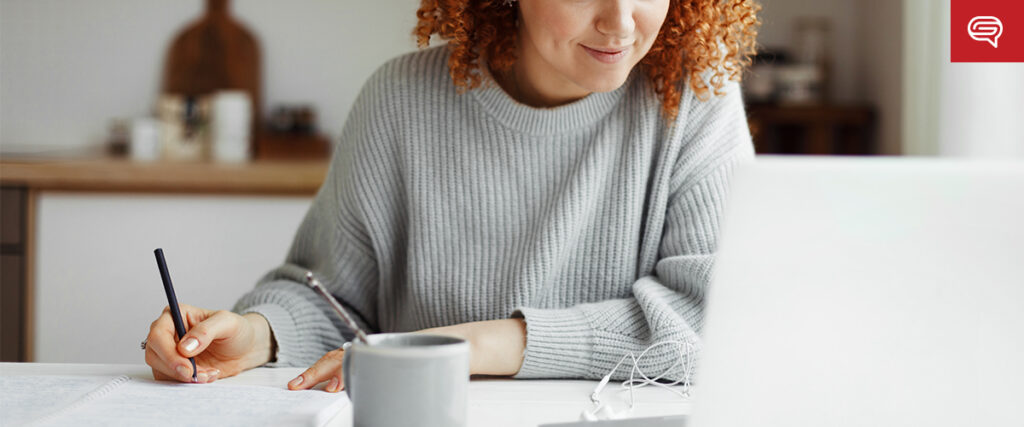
pixel 204 375
pixel 208 375
pixel 190 314
pixel 161 371
pixel 220 324
pixel 328 368
pixel 161 352
pixel 212 375
pixel 159 376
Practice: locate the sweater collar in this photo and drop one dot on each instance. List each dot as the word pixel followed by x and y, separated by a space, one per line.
pixel 545 121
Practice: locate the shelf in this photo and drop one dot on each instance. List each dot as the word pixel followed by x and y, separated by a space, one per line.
pixel 122 175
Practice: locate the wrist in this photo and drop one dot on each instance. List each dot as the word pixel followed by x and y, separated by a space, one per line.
pixel 496 346
pixel 263 346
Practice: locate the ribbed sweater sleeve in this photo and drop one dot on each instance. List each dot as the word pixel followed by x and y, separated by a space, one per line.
pixel 333 243
pixel 588 340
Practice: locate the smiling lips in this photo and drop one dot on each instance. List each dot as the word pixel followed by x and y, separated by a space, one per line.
pixel 607 55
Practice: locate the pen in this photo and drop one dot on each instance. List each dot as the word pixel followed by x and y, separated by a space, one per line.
pixel 172 302
pixel 315 284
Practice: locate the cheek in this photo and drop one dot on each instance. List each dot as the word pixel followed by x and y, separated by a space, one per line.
pixel 556 29
pixel 649 22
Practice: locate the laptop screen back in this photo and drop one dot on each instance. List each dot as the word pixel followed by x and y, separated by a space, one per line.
pixel 863 292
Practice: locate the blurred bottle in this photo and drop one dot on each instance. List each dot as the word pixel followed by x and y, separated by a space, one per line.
pixel 119 137
pixel 144 143
pixel 230 130
pixel 814 56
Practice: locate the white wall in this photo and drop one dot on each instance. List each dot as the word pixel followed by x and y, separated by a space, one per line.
pixel 70 66
pixel 981 110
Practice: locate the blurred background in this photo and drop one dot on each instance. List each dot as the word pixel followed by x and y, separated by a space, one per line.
pixel 204 127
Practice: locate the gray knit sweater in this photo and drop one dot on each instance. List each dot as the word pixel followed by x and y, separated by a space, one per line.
pixel 596 221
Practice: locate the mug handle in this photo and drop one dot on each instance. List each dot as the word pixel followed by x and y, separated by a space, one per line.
pixel 344 368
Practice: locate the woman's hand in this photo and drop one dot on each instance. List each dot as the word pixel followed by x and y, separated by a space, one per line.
pixel 327 368
pixel 223 344
pixel 495 348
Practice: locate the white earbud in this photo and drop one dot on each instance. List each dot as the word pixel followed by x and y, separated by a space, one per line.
pixel 588 416
pixel 607 413
pixel 602 412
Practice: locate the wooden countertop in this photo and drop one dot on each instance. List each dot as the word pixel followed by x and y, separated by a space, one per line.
pixel 122 175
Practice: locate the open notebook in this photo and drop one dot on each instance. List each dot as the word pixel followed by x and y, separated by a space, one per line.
pixel 42 400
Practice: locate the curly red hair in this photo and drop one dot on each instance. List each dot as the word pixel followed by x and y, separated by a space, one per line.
pixel 713 37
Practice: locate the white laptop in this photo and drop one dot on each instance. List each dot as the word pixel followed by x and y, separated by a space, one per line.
pixel 867 292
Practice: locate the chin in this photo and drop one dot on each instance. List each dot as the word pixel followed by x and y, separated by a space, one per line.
pixel 605 83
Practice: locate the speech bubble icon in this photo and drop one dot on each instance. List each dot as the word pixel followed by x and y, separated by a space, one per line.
pixel 985 29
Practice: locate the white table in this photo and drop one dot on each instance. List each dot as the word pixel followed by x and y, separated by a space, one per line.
pixel 492 402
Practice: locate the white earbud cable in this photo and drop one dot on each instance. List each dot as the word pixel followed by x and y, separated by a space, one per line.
pixel 685 349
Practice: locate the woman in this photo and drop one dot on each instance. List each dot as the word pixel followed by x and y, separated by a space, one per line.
pixel 547 186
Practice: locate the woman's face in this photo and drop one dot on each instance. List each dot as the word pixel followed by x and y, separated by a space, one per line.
pixel 580 46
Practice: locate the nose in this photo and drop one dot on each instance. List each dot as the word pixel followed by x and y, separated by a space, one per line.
pixel 616 19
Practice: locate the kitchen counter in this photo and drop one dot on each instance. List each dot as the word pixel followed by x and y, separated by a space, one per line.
pixel 123 175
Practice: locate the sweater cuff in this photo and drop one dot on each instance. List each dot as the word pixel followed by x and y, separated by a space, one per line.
pixel 559 343
pixel 283 331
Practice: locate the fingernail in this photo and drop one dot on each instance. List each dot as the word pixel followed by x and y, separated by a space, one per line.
pixel 333 385
pixel 214 372
pixel 184 371
pixel 203 377
pixel 191 344
pixel 296 382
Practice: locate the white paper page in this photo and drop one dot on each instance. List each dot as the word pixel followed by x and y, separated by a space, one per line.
pixel 153 403
pixel 29 397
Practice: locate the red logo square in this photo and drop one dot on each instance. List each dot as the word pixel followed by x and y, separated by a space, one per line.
pixel 986 31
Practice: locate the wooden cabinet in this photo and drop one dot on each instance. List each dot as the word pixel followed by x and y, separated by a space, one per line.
pixel 13 243
pixel 78 240
pixel 812 129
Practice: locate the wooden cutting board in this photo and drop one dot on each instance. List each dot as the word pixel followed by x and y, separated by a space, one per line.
pixel 213 53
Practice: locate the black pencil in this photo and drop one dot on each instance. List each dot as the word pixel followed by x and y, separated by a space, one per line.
pixel 172 302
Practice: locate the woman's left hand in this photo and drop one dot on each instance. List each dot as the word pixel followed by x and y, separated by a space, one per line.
pixel 495 348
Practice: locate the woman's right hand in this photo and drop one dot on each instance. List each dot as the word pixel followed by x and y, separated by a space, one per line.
pixel 223 344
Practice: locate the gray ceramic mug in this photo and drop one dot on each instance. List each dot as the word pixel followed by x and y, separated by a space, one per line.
pixel 407 380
